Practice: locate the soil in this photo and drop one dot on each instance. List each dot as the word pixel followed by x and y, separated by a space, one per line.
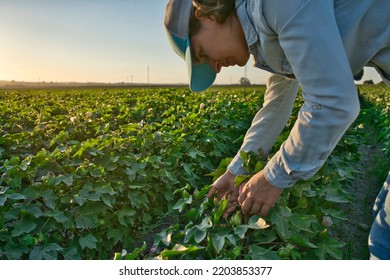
pixel 364 188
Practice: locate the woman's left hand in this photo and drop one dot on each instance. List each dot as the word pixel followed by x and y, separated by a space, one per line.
pixel 257 196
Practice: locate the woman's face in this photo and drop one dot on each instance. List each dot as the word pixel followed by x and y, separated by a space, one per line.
pixel 220 45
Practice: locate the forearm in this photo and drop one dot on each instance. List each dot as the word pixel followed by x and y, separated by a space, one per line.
pixel 311 140
pixel 269 121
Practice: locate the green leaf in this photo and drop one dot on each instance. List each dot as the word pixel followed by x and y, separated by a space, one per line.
pixel 259 166
pixel 72 254
pixel 165 236
pixel 239 179
pixel 301 222
pixel 336 198
pixel 182 202
pixel 338 214
pixel 138 199
pixel 23 226
pixel 116 234
pixel 188 170
pixel 179 249
pixel 281 225
pixel 134 255
pixel 45 252
pixel 16 196
pixel 260 253
pixel 221 208
pixel 241 230
pixel 218 242
pixel 125 216
pixel 302 240
pixel 89 241
pixel 205 224
pixel 87 214
pixel 57 215
pixel 189 233
pixel 200 235
pixel 330 247
pixel 3 199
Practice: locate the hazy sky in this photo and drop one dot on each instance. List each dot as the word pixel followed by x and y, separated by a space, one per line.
pixel 94 41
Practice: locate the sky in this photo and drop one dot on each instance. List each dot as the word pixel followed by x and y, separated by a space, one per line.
pixel 96 41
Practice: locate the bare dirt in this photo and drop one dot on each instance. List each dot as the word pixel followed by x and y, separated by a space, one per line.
pixel 364 188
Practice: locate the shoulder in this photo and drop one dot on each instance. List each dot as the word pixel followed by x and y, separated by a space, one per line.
pixel 277 13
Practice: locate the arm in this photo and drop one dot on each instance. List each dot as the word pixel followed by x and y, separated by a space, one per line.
pixel 266 127
pixel 312 45
pixel 269 121
pixel 314 49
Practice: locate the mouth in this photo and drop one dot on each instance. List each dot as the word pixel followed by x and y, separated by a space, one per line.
pixel 229 62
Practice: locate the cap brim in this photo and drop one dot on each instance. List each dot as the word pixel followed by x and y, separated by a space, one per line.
pixel 201 76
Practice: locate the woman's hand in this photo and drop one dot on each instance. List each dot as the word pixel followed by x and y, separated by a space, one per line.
pixel 224 187
pixel 257 196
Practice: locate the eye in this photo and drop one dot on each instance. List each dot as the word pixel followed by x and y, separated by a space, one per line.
pixel 202 56
pixel 199 56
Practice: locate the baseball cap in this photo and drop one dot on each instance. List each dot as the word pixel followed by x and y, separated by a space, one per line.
pixel 177 17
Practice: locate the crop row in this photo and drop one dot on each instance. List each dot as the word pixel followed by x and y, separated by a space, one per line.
pixel 86 173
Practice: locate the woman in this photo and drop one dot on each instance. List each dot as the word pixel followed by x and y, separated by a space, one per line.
pixel 317 44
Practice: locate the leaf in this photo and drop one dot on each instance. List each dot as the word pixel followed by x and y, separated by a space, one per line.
pixel 179 249
pixel 45 252
pixel 23 226
pixel 196 153
pixel 336 198
pixel 330 247
pixel 89 241
pixel 221 208
pixel 257 223
pixel 124 214
pixel 138 199
pixel 3 199
pixel 199 235
pixel 281 225
pixel 86 215
pixel 218 242
pixel 182 202
pixel 302 240
pixel 116 234
pixel 188 170
pixel 205 224
pixel 57 215
pixel 338 214
pixel 301 222
pixel 134 255
pixel 241 230
pixel 260 253
pixel 72 254
pixel 16 196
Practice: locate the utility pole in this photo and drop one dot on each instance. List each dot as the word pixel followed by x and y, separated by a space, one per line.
pixel 148 73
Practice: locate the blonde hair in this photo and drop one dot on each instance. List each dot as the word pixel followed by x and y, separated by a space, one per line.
pixel 219 9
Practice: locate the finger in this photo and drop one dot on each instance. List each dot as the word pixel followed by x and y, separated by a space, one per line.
pixel 212 191
pixel 256 207
pixel 264 210
pixel 246 206
pixel 232 206
pixel 242 194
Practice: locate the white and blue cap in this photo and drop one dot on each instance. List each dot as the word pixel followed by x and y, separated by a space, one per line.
pixel 177 18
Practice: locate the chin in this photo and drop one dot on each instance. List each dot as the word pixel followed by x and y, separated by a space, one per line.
pixel 243 61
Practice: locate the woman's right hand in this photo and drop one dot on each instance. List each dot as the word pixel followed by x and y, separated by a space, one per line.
pixel 224 187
